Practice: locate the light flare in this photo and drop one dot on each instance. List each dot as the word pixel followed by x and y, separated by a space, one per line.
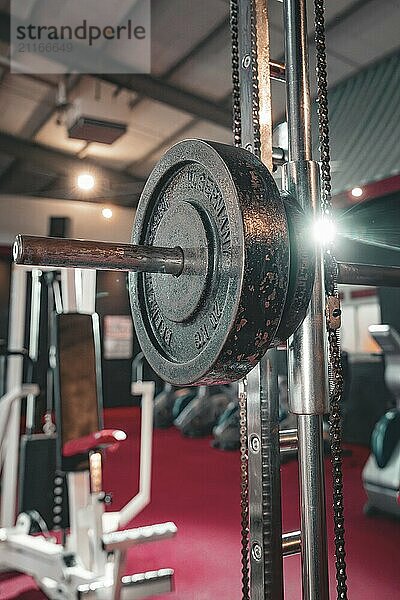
pixel 324 231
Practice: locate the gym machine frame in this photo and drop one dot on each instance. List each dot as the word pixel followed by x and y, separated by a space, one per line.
pixel 46 560
pixel 307 347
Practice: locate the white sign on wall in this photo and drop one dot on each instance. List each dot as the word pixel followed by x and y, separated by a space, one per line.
pixel 118 337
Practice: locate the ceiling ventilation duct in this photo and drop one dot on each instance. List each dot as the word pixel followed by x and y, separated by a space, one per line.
pixel 83 125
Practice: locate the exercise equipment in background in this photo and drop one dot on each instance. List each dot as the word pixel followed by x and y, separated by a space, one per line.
pixel 89 561
pixel 226 432
pixel 202 413
pixel 381 474
pixel 169 403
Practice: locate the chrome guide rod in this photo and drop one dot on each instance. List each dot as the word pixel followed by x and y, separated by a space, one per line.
pixel 291 543
pixel 288 439
pixel 313 520
pixel 307 349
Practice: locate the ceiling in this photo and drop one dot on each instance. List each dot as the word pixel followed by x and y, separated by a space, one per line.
pixel 186 95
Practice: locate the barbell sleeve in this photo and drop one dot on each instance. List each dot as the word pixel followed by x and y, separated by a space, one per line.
pixel 85 254
pixel 374 275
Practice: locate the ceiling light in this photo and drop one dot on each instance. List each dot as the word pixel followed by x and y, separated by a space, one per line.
pixel 86 182
pixel 107 213
pixel 357 192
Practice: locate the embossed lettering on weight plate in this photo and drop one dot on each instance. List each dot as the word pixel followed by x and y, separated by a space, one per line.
pixel 155 312
pixel 159 211
pixel 215 315
pixel 202 182
pixel 202 335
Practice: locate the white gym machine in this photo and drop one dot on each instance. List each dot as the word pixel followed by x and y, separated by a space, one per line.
pixel 90 564
pixel 381 474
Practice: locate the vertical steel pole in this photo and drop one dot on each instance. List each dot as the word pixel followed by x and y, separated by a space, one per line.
pixel 313 523
pixel 34 326
pixel 307 352
pixel 14 382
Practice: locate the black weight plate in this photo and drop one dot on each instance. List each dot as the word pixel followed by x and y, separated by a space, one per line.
pixel 213 322
pixel 302 269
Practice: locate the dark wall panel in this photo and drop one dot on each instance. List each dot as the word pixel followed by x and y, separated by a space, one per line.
pixel 366 401
pixel 5 274
pixel 369 232
pixel 390 306
pixel 113 299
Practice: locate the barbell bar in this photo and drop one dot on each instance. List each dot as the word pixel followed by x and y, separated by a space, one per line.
pixel 87 254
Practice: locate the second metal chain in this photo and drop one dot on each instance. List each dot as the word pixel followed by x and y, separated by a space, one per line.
pixel 236 125
pixel 335 365
pixel 244 487
pixel 244 490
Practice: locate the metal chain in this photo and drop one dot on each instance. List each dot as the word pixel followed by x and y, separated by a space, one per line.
pixel 244 491
pixel 236 125
pixel 254 94
pixel 237 137
pixel 237 120
pixel 335 365
pixel 244 483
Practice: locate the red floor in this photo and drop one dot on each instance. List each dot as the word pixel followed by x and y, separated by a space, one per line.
pixel 198 488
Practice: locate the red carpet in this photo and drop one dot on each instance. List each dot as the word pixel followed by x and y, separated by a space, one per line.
pixel 198 488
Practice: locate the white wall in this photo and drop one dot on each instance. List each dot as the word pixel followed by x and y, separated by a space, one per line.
pixel 31 216
pixel 357 315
